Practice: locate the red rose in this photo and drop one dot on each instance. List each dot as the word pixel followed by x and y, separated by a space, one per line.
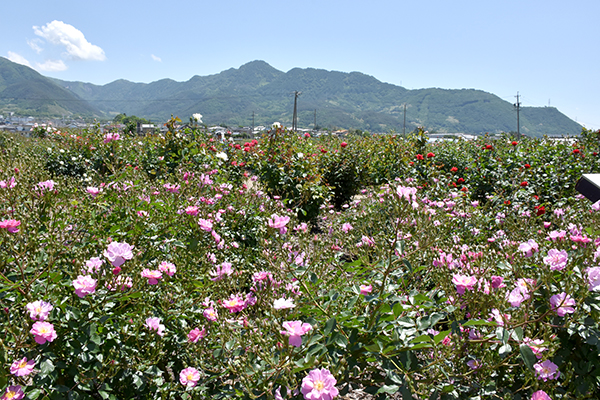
pixel 514 143
pixel 343 144
pixel 524 183
pixel 323 151
pixel 419 157
pixel 540 210
pixel 576 151
pixel 453 169
pixel 488 147
pixel 460 180
pixel 527 166
pixel 430 155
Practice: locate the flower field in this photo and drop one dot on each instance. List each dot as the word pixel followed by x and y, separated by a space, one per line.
pixel 291 267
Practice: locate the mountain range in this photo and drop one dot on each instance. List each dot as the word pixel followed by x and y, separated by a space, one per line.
pixel 233 97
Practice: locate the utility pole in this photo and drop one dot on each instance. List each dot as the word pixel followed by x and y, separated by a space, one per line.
pixel 404 126
pixel 518 107
pixel 295 117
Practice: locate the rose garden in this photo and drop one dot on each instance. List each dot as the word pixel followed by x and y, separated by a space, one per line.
pixel 290 267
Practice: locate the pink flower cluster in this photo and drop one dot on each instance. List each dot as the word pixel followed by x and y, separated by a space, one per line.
pixel 111 136
pixel 11 183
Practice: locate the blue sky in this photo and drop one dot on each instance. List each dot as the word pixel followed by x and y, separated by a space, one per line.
pixel 546 50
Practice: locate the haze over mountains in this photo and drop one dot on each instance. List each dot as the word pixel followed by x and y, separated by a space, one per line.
pixel 343 100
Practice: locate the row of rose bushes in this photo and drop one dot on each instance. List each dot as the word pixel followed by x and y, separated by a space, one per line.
pixel 122 285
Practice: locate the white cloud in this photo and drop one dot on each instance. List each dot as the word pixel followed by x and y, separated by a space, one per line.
pixel 155 58
pixel 34 45
pixel 17 58
pixel 57 32
pixel 52 65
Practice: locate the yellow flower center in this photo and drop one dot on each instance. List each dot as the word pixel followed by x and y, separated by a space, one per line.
pixel 22 364
pixel 319 385
pixel 10 395
pixel 190 376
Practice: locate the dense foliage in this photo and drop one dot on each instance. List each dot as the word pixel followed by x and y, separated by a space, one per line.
pixel 179 267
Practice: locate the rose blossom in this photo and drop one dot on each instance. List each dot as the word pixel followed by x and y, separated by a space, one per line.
pixel 365 289
pixel 278 222
pixel 210 314
pixel 529 247
pixel 84 285
pixel 556 260
pixel 167 267
pixel 295 330
pixel 43 332
pixel 189 377
pixel 117 253
pixel 39 310
pixel 283 303
pixel 152 275
pixel 153 323
pixel 319 384
pixel 235 303
pixel 13 393
pixel 562 304
pixel 593 276
pixel 540 395
pixel 11 225
pixel 22 367
pixel 94 264
pixel 546 370
pixel 196 334
pixel 463 282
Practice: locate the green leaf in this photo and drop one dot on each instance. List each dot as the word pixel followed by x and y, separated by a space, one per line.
pixel 389 389
pixel 422 338
pixel 528 356
pixel 34 394
pixel 517 334
pixel 478 322
pixel 441 336
pixel 504 350
pixel 329 326
pixel 46 367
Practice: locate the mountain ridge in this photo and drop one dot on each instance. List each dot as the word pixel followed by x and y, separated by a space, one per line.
pixel 340 99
